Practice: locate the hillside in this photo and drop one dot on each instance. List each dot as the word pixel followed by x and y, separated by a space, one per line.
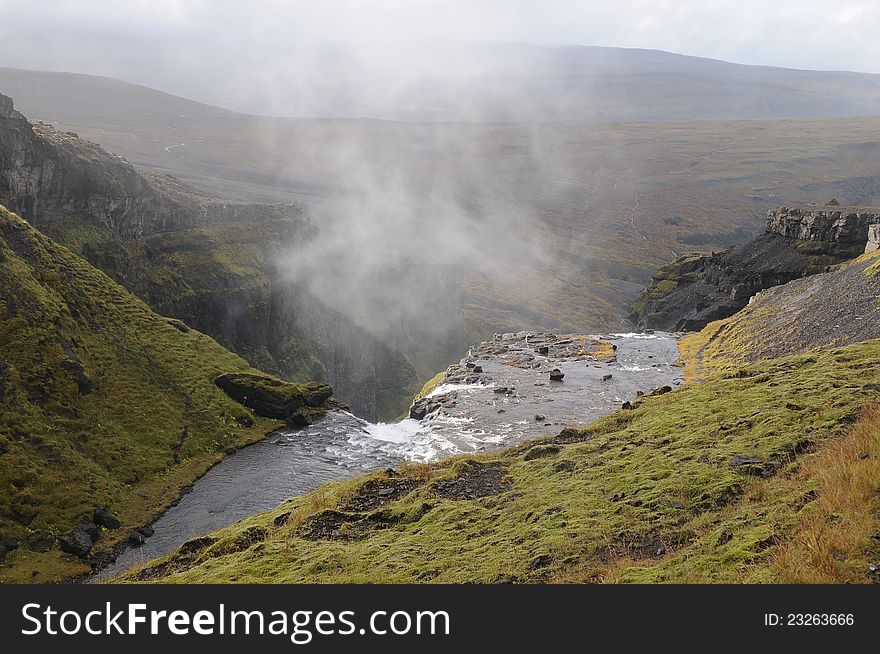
pixel 826 310
pixel 103 403
pixel 766 475
pixel 216 265
pixel 695 290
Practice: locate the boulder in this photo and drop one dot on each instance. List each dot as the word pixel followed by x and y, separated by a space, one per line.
pixel 87 524
pixel 271 397
pixel 873 238
pixel 423 407
pixel 136 538
pixel 78 542
pixel 6 106
pixel 556 375
pixel 104 518
pixel 300 418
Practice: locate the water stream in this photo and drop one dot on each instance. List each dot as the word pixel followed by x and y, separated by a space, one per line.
pixel 496 407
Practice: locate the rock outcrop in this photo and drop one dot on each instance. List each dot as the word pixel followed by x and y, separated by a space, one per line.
pixel 836 227
pixel 695 289
pixel 274 398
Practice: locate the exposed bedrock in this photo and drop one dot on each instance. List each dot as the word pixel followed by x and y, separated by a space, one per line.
pixel 695 289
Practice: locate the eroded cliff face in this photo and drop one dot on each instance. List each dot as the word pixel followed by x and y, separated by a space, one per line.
pixel 695 290
pixel 838 228
pixel 215 266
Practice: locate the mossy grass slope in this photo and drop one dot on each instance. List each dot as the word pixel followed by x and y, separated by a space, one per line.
pixel 102 401
pixel 709 483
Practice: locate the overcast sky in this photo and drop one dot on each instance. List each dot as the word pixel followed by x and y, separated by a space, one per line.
pixel 830 34
pixel 190 46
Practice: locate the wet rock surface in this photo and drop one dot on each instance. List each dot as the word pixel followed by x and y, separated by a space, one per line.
pixel 489 404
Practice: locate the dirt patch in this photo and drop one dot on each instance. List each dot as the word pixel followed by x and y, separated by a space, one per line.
pixel 474 480
pixel 571 435
pixel 541 451
pixel 182 560
pixel 330 525
pixel 376 493
pixel 637 548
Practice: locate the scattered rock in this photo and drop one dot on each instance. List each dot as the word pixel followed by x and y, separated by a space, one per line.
pixel 607 377
pixel 300 418
pixel 474 479
pixel 77 542
pixel 422 407
pixel 543 350
pixel 136 538
pixel 376 493
pixel 626 406
pixel 539 417
pixel 556 375
pixel 661 391
pixel 104 518
pixel 478 368
pixel 229 451
pixel 87 525
pixel 146 532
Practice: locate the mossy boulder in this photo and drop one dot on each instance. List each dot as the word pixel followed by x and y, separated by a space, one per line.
pixel 270 397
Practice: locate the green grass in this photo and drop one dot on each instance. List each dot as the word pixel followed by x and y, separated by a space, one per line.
pixel 102 401
pixel 642 495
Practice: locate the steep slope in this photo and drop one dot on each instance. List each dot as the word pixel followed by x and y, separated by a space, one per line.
pixel 213 264
pixel 103 403
pixel 694 289
pixel 710 483
pixel 826 310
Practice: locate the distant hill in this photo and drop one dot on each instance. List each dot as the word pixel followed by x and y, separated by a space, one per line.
pixel 487 82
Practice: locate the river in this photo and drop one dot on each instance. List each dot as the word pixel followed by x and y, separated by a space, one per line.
pixel 493 408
